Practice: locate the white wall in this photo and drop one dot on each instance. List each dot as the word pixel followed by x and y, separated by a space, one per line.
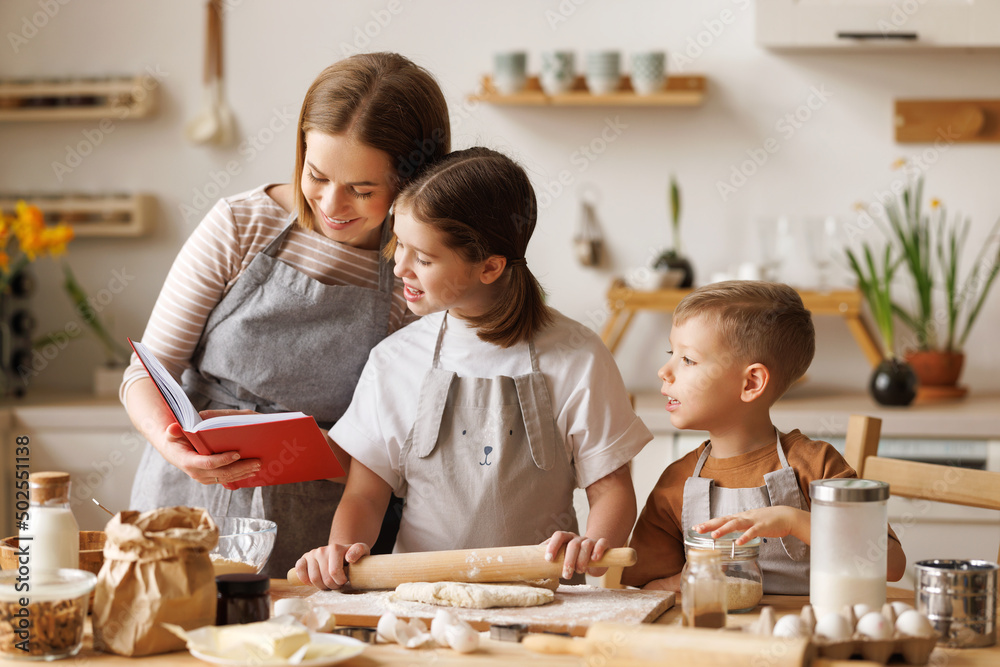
pixel 839 156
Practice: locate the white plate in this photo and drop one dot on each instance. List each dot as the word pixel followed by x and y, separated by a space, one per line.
pixel 315 638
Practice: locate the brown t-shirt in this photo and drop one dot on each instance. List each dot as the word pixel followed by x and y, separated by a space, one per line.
pixel 658 537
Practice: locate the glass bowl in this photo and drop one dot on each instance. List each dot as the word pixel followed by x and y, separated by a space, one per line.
pixel 50 626
pixel 245 544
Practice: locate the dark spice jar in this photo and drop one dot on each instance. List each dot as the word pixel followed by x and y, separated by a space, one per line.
pixel 242 598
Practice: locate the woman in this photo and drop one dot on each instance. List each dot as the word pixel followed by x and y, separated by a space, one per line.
pixel 276 299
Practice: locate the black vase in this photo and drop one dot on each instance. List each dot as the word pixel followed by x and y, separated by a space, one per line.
pixel 672 261
pixel 893 383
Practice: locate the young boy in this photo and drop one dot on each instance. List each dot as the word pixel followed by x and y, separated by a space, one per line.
pixel 736 347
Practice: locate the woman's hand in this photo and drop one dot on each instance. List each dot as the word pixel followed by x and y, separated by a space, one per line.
pixel 223 468
pixel 580 551
pixel 775 521
pixel 323 567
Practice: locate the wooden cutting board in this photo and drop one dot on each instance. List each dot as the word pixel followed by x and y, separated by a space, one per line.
pixel 573 611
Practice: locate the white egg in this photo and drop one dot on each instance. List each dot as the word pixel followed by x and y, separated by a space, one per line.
pixel 386 628
pixel 914 624
pixel 789 627
pixel 874 626
pixel 900 607
pixel 834 627
pixel 861 610
pixel 461 637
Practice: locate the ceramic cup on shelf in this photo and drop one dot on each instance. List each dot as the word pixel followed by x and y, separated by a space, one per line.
pixel 648 71
pixel 558 71
pixel 510 71
pixel 602 70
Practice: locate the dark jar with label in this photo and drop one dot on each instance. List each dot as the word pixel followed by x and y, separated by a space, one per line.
pixel 242 598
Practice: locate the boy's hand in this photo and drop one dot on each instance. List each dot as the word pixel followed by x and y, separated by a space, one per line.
pixel 323 567
pixel 775 521
pixel 579 552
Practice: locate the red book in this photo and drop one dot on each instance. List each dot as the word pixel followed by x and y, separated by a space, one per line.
pixel 290 445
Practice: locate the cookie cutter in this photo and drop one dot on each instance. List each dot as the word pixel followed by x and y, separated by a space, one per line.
pixel 367 635
pixel 509 633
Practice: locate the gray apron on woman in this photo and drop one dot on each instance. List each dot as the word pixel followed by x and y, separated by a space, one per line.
pixel 483 465
pixel 278 341
pixel 785 561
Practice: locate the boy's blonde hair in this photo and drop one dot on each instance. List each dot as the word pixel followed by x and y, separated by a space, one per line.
pixel 760 322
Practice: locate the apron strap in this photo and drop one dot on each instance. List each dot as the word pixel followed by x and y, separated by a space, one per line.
pixel 271 249
pixel 697 503
pixel 386 278
pixel 783 489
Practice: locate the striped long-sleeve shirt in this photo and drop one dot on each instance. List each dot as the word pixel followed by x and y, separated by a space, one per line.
pixel 217 253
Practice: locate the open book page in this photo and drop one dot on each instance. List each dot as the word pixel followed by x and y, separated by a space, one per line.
pixel 240 420
pixel 173 394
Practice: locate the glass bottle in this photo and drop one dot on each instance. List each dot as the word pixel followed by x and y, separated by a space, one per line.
pixel 744 579
pixel 849 541
pixel 242 598
pixel 51 536
pixel 703 590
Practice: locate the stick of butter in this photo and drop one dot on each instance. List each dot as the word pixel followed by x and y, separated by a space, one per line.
pixel 259 641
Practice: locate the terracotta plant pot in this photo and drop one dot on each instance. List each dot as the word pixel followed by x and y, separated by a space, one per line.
pixel 91 551
pixel 936 368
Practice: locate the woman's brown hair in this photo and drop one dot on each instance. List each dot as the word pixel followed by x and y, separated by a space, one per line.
pixel 483 203
pixel 383 100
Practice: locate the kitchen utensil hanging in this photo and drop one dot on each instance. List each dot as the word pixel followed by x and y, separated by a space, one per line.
pixel 214 123
pixel 589 240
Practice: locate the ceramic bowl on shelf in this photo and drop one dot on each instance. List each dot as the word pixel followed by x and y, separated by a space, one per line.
pixel 602 70
pixel 510 71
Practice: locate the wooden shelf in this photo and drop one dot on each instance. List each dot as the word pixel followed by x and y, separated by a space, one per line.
pixel 116 98
pixel 116 215
pixel 624 302
pixel 678 91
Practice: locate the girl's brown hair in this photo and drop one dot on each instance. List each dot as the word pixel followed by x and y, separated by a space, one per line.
pixel 483 203
pixel 382 100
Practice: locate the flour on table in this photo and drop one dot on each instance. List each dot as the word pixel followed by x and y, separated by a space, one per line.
pixel 474 596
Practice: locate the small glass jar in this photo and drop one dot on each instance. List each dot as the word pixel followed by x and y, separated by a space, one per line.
pixel 849 542
pixel 744 580
pixel 242 598
pixel 49 531
pixel 703 590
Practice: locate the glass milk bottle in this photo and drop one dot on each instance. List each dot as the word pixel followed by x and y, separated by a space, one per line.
pixel 848 543
pixel 52 536
pixel 703 590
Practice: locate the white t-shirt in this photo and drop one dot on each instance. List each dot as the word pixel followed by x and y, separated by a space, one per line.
pixel 592 409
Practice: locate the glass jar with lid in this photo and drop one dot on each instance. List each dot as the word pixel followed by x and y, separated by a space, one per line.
pixel 744 581
pixel 703 590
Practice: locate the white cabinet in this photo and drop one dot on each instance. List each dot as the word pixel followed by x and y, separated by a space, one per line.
pixel 90 438
pixel 854 24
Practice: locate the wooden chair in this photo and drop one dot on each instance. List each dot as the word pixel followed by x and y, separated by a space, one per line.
pixel 911 479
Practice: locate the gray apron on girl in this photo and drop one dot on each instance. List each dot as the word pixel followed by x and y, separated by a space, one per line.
pixel 483 465
pixel 785 561
pixel 277 341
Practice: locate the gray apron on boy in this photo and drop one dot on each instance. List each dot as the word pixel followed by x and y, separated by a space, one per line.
pixel 277 341
pixel 785 561
pixel 483 465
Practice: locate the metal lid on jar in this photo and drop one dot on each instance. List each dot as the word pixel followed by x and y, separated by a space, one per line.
pixel 725 545
pixel 850 490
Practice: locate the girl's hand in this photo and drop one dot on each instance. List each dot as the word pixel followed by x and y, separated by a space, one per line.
pixel 579 552
pixel 775 521
pixel 223 468
pixel 323 567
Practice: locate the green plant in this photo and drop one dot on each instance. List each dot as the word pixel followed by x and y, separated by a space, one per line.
pixel 674 203
pixel 875 283
pixel 931 245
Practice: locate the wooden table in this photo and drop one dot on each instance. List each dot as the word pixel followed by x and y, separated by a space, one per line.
pixel 624 302
pixel 506 653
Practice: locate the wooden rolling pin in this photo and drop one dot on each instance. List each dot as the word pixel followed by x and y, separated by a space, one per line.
pixel 496 564
pixel 620 645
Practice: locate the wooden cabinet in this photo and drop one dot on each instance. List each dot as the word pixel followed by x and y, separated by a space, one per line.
pixel 115 98
pixel 106 215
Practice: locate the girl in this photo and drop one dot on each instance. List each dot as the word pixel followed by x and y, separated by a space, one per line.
pixel 277 298
pixel 485 414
